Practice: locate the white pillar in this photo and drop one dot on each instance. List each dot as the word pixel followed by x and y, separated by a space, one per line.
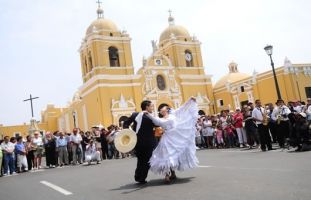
pixel 236 101
pixel 85 122
pixel 250 96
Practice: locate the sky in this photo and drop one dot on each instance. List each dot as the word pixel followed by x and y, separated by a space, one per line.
pixel 40 41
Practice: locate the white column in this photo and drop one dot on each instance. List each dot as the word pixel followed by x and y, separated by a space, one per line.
pixel 76 118
pixel 59 123
pixel 67 124
pixel 236 101
pixel 250 96
pixel 85 122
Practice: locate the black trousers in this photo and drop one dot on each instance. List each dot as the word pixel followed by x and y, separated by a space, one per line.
pixel 251 133
pixel 143 156
pixel 105 150
pixel 264 136
pixel 273 130
pixel 50 156
pixel 282 132
pixel 30 158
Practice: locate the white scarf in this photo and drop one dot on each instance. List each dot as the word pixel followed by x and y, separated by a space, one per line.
pixel 139 119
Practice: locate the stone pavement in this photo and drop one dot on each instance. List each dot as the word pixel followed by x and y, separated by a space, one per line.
pixel 223 175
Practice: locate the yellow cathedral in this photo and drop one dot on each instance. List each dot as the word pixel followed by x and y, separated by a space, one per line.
pixel 112 91
pixel 173 73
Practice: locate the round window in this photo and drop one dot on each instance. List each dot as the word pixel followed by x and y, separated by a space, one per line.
pixel 161 82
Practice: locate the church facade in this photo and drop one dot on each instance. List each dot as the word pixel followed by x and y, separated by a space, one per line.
pixel 173 73
pixel 111 89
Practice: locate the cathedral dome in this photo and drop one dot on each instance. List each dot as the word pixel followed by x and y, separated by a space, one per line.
pixel 174 31
pixel 233 76
pixel 101 25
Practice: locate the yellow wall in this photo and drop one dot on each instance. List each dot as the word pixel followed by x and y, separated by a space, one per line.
pixel 264 87
pixel 22 130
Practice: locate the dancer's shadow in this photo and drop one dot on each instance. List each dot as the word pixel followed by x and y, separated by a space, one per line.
pixel 133 187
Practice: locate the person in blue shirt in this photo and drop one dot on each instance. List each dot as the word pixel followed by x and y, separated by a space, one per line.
pixel 61 147
pixel 20 152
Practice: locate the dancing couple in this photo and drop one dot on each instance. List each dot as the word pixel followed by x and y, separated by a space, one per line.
pixel 176 149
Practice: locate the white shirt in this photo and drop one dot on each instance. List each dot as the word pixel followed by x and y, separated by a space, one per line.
pixel 308 112
pixel 258 114
pixel 75 138
pixel 8 147
pixel 284 110
pixel 38 141
pixel 207 128
pixel 90 149
pixel 298 109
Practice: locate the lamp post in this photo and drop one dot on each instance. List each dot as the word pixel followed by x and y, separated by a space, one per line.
pixel 74 119
pixel 268 50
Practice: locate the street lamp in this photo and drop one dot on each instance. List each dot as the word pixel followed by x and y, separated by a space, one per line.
pixel 74 114
pixel 268 50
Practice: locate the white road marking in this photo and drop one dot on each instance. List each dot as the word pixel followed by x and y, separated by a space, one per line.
pixel 57 188
pixel 204 166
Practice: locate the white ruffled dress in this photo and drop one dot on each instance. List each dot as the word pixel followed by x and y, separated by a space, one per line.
pixel 176 149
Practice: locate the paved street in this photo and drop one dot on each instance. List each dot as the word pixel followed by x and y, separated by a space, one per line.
pixel 223 174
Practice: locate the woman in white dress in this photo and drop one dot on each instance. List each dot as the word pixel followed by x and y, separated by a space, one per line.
pixel 176 149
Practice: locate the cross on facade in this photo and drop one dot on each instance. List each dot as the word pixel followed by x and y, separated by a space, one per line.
pixel 31 99
pixel 98 2
pixel 170 12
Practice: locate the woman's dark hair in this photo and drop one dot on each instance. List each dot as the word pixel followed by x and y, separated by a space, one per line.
pixel 144 104
pixel 12 139
pixel 162 106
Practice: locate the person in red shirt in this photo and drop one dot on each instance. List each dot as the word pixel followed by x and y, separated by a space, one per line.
pixel 238 124
pixel 230 135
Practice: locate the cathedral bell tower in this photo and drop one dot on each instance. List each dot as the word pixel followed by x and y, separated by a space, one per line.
pixel 109 83
pixel 174 71
pixel 105 49
pixel 177 44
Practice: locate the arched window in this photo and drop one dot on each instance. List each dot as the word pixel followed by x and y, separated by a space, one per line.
pixel 90 61
pixel 85 65
pixel 161 82
pixel 114 57
pixel 188 58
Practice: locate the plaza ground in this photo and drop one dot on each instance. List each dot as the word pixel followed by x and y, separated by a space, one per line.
pixel 223 174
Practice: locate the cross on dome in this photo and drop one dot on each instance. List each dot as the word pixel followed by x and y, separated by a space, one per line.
pixel 99 11
pixel 171 19
pixel 98 2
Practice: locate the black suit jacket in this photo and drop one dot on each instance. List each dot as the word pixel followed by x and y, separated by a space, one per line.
pixel 145 135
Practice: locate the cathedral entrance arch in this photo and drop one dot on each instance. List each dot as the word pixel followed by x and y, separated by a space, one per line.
pixel 201 112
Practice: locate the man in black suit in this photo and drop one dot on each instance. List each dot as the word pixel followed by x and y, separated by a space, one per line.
pixel 146 141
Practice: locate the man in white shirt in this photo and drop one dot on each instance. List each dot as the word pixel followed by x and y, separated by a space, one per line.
pixel 75 140
pixel 91 153
pixel 280 115
pixel 263 130
pixel 297 107
pixel 308 109
pixel 8 157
